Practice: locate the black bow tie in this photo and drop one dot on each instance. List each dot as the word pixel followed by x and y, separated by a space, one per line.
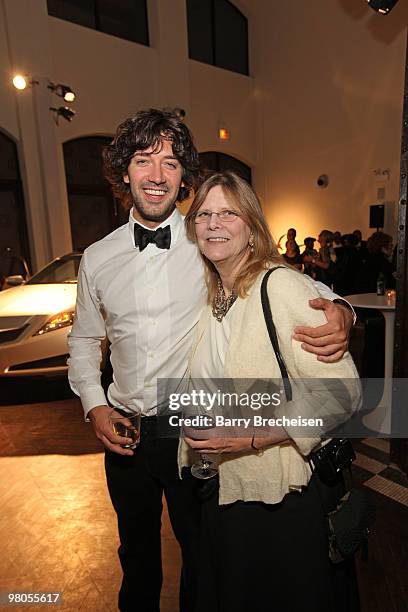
pixel 160 237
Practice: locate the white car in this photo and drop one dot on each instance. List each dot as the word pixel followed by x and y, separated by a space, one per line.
pixel 35 319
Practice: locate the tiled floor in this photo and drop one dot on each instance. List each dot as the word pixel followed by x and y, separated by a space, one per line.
pixel 381 475
pixel 58 529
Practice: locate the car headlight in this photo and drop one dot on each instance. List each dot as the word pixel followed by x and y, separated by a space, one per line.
pixel 62 319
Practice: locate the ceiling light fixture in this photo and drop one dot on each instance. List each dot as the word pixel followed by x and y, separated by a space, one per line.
pixel 20 81
pixel 63 111
pixel 63 91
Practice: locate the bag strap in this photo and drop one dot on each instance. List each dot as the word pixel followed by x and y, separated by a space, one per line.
pixel 266 307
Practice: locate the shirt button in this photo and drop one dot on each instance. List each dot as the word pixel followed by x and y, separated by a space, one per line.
pixel 150 355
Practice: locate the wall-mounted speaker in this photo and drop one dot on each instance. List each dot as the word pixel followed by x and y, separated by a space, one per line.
pixel 377 216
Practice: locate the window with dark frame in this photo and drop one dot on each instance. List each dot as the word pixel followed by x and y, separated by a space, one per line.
pixel 218 34
pixel 125 19
pixel 93 210
pixel 213 161
pixel 14 246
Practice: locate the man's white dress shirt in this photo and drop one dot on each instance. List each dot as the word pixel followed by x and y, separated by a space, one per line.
pixel 147 304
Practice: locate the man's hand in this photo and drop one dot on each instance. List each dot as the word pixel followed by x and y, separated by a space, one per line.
pixel 99 417
pixel 330 341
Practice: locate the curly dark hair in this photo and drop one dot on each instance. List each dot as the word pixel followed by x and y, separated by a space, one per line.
pixel 143 131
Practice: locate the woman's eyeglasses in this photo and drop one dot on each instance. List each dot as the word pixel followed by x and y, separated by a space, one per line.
pixel 226 216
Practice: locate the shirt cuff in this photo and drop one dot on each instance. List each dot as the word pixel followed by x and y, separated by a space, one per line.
pixel 92 398
pixel 347 305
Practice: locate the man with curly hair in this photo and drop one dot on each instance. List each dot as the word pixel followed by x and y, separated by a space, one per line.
pixel 143 287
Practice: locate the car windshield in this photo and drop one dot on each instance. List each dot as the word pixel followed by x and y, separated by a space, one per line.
pixel 63 270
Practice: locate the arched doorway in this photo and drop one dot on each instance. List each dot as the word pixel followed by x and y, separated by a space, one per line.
pixel 213 161
pixel 14 248
pixel 93 210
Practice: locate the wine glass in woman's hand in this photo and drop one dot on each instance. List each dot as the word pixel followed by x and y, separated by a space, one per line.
pixel 202 422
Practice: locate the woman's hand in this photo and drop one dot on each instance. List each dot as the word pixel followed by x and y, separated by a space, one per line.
pixel 260 439
pixel 216 446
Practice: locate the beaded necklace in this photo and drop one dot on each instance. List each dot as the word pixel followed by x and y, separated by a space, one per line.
pixel 222 304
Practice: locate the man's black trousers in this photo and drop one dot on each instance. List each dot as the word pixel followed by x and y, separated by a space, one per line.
pixel 136 485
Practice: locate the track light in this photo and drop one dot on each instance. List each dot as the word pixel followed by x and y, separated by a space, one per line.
pixel 63 91
pixel 382 6
pixel 63 111
pixel 22 81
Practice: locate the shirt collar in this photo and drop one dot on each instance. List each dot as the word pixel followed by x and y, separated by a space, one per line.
pixel 175 221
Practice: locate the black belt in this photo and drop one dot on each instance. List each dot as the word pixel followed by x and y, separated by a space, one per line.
pixel 158 426
pixel 150 419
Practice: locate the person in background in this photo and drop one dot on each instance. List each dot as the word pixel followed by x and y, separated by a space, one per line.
pixel 361 245
pixel 290 235
pixel 292 255
pixel 337 242
pixel 378 261
pixel 308 255
pixel 323 265
pixel 347 266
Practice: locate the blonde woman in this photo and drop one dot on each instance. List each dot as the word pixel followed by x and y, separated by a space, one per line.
pixel 264 531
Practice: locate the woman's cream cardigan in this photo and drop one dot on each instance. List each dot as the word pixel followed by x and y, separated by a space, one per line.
pixel 270 475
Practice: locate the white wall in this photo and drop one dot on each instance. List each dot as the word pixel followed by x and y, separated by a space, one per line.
pixel 324 96
pixel 229 102
pixel 331 77
pixel 113 78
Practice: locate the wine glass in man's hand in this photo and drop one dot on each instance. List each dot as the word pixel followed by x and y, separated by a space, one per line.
pixel 127 425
